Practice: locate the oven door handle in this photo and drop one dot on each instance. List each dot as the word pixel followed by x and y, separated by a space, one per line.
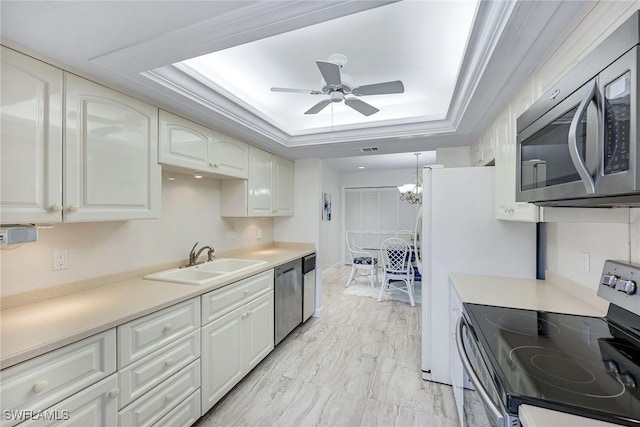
pixel 580 163
pixel 482 391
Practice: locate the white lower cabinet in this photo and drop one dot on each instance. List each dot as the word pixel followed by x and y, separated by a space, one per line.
pixel 234 344
pixel 154 405
pixel 37 384
pixel 185 414
pixel 96 405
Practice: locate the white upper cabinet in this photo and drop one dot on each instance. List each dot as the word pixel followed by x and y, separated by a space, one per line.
pixel 261 182
pixel 230 156
pixel 184 143
pixel 31 135
pixel 111 166
pixel 267 192
pixel 188 145
pixel 506 207
pixel 283 187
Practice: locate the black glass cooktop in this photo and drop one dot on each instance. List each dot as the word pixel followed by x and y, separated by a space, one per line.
pixel 583 365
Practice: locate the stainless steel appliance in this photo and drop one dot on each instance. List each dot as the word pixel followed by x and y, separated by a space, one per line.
pixel 578 144
pixel 288 298
pixel 587 366
pixel 308 286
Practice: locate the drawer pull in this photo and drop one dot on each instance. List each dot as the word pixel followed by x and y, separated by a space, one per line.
pixel 169 397
pixel 168 362
pixel 73 208
pixel 167 328
pixel 114 393
pixel 40 386
pixel 55 208
pixel 246 292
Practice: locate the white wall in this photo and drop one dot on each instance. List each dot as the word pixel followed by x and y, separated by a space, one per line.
pixel 453 157
pixel 566 242
pixel 331 231
pixel 378 178
pixel 190 213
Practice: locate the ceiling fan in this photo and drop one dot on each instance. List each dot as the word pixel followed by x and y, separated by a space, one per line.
pixel 338 85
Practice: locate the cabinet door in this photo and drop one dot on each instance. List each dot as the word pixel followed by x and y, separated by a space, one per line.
pixel 230 157
pixel 183 143
pixel 96 405
pixel 222 357
pixel 283 187
pixel 505 199
pixel 31 135
pixel 261 169
pixel 259 330
pixel 111 160
pixel 475 153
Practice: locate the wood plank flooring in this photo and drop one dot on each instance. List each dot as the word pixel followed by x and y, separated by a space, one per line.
pixel 356 365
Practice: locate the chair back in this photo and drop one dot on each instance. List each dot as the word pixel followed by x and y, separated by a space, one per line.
pixel 396 256
pixel 406 235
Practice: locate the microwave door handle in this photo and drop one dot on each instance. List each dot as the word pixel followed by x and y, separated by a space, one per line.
pixel 482 391
pixel 579 162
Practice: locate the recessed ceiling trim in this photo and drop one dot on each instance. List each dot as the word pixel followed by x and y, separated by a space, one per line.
pixel 255 21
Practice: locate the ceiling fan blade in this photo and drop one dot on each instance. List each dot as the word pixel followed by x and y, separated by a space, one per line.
pixel 330 73
pixel 379 88
pixel 361 106
pixel 318 107
pixel 284 89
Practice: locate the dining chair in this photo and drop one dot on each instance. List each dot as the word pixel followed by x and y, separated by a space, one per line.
pixel 361 260
pixel 395 254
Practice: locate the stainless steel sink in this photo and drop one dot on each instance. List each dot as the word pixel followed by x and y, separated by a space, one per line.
pixel 205 273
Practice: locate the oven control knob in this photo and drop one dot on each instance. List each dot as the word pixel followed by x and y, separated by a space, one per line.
pixel 626 286
pixel 609 280
pixel 611 366
pixel 628 380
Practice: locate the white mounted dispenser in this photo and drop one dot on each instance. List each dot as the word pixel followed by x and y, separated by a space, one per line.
pixel 17 234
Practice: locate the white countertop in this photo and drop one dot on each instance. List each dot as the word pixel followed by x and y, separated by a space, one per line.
pixel 554 295
pixel 33 329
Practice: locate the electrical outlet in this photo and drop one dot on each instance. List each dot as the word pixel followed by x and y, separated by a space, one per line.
pixel 231 236
pixel 60 259
pixel 259 233
pixel 585 262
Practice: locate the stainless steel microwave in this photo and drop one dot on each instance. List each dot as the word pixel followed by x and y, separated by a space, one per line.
pixel 578 144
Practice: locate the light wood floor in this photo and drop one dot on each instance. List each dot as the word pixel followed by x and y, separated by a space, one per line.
pixel 356 365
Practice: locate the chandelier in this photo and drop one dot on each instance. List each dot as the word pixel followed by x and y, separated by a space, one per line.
pixel 412 193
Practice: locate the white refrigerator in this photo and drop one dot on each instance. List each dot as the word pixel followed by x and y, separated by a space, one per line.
pixel 461 235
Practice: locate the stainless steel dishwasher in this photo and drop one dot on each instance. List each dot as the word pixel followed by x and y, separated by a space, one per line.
pixel 288 298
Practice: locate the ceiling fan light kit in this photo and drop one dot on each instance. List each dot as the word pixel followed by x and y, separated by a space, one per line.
pixel 337 84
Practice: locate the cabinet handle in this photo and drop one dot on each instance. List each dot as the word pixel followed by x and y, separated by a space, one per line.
pixel 168 362
pixel 167 328
pixel 246 292
pixel 114 393
pixel 40 386
pixel 73 208
pixel 55 208
pixel 169 397
pixel 215 165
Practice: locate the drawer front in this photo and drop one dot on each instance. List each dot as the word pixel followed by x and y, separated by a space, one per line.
pixel 224 300
pixel 183 415
pixel 142 376
pixel 161 400
pixel 94 406
pixel 41 382
pixel 143 336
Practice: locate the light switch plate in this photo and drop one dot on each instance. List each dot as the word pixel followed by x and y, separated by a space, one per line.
pixel 585 262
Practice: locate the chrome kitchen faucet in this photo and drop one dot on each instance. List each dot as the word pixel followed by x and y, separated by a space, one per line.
pixel 193 255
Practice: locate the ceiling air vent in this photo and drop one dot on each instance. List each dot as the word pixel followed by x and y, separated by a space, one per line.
pixel 367 149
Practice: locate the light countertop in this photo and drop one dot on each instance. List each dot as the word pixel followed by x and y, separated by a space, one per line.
pixel 555 294
pixel 34 329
